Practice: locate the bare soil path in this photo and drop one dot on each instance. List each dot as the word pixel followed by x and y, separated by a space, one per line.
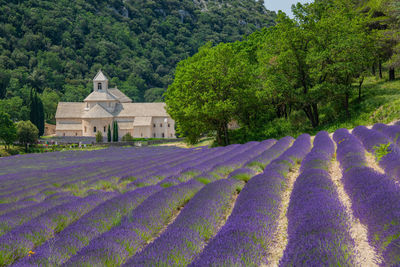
pixel 278 245
pixel 365 254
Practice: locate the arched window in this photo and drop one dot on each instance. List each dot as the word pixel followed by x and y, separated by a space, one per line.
pixel 160 124
pixel 99 86
pixel 162 135
pixel 169 125
pixel 104 128
pixel 154 135
pixel 154 125
pixel 94 129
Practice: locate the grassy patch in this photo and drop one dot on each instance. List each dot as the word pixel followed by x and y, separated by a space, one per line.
pixel 203 180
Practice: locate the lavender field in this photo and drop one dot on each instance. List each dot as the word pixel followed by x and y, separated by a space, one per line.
pixel 328 200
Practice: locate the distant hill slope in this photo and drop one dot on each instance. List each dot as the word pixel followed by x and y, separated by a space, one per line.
pixel 60 44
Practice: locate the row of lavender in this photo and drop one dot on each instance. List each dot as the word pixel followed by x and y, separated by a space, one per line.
pixel 375 196
pixel 201 219
pixel 158 209
pixel 23 238
pixel 249 230
pixel 318 225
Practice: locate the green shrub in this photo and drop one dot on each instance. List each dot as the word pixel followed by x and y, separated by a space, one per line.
pixel 99 137
pixel 127 138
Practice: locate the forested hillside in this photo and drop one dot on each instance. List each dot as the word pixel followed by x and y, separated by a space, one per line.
pixel 56 47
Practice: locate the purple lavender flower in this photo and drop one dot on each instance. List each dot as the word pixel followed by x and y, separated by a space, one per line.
pixel 115 246
pixel 318 230
pixel 370 138
pixel 375 201
pixel 77 235
pixel 350 151
pixel 391 131
pixel 249 229
pixel 258 163
pixel 197 223
pixel 33 233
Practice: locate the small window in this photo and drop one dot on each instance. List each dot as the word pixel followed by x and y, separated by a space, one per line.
pixel 104 128
pixel 154 135
pixel 169 125
pixel 76 134
pixel 162 135
pixel 154 125
pixel 160 124
pixel 63 134
pixel 99 86
pixel 141 134
pixel 94 129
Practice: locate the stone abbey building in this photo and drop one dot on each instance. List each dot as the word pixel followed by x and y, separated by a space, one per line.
pixel 106 105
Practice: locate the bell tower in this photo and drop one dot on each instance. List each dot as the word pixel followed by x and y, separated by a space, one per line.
pixel 100 82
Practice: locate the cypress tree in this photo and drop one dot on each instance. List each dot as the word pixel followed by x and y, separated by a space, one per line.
pixel 40 116
pixel 32 108
pixel 109 134
pixel 116 130
pixel 36 115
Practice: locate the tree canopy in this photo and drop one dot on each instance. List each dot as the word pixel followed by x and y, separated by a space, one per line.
pixel 306 65
pixel 8 132
pixel 27 133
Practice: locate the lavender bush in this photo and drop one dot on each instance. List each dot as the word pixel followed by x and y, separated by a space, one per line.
pixel 244 239
pixel 318 230
pixel 115 246
pixel 375 201
pixel 78 235
pixel 197 223
pixel 18 242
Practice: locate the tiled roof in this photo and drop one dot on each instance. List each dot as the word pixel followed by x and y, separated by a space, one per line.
pixel 142 121
pixel 141 110
pixel 125 125
pixel 119 95
pixel 100 77
pixel 100 96
pixel 69 110
pixel 96 112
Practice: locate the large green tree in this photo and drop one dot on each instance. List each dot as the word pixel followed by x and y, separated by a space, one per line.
pixel 50 100
pixel 8 132
pixel 27 133
pixel 211 89
pixel 312 59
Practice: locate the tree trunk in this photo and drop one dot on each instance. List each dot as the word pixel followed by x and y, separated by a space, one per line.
pixel 226 134
pixel 373 69
pixel 316 114
pixel 380 70
pixel 219 137
pixel 312 114
pixel 26 147
pixel 359 88
pixel 391 74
